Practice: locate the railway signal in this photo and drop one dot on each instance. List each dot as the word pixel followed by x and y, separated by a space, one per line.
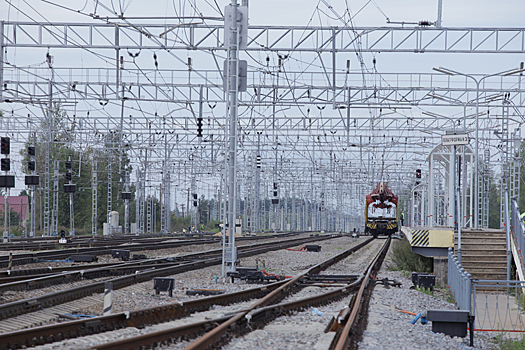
pixel 275 200
pixel 31 180
pixel 5 164
pixel 199 127
pixel 4 145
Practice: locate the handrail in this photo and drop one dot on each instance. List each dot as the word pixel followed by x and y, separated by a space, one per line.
pixel 459 282
pixel 518 229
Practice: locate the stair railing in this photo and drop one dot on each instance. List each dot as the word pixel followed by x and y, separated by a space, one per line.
pixel 519 231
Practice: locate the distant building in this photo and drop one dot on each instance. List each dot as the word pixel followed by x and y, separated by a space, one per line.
pixel 18 204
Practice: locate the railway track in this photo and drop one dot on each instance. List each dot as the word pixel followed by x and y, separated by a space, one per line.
pixel 20 280
pixel 260 312
pixel 10 310
pixel 352 320
pixel 106 248
pixel 138 318
pixel 50 242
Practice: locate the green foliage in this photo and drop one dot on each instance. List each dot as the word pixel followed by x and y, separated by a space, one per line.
pixel 178 223
pixel 427 291
pixel 447 295
pixel 494 201
pixel 212 226
pixel 494 204
pixel 15 219
pixel 404 259
pixel 505 343
pixel 205 208
pixel 62 146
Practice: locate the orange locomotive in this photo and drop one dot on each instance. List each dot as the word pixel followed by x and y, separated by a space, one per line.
pixel 381 211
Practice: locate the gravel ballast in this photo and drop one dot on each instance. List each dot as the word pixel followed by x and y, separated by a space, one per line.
pixel 387 327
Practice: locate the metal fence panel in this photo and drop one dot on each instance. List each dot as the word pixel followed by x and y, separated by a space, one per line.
pixel 499 305
pixel 459 282
pixel 518 228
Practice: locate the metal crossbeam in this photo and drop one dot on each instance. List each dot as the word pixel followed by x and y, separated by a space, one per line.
pixel 30 85
pixel 417 39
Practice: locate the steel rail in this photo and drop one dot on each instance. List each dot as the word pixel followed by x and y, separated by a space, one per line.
pixel 344 337
pixel 49 243
pixel 258 312
pixel 138 318
pixel 227 323
pixel 33 304
pixel 21 283
pixel 218 334
pixel 21 275
pixel 29 258
pixel 42 281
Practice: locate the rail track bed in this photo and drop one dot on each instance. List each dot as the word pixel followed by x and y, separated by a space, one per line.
pixel 31 304
pixel 336 246
pixel 307 328
pixel 62 252
pixel 22 284
pixel 42 267
pixel 51 242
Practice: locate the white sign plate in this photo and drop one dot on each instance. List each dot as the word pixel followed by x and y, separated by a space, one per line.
pixel 454 140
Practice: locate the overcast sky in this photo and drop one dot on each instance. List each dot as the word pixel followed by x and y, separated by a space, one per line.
pixel 456 13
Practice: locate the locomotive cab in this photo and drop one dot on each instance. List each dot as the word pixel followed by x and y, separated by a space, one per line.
pixel 381 211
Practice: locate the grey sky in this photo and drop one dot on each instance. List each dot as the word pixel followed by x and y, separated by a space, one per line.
pixel 457 13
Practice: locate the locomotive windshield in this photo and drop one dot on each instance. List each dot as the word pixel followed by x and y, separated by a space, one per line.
pixel 375 211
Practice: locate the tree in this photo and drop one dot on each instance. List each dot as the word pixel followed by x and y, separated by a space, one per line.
pixel 15 219
pixel 58 134
pixel 115 159
pixel 494 203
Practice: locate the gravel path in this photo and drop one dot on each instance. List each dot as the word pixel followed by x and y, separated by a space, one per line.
pixel 282 262
pixel 159 253
pixel 387 327
pixel 142 295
